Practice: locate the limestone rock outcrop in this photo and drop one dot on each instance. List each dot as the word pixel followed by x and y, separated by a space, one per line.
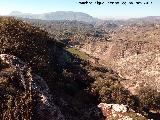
pixel 24 95
pixel 119 112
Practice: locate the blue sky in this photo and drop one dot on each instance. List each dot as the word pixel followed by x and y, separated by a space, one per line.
pixel 101 11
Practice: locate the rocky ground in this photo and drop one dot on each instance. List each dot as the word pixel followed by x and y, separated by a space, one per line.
pixel 132 51
pixel 41 80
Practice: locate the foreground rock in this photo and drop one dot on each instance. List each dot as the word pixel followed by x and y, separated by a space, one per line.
pixel 24 95
pixel 119 112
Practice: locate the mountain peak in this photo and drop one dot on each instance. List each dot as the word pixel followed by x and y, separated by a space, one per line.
pixel 15 13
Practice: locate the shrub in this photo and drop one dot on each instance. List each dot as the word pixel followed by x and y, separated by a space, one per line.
pixel 111 91
pixel 149 97
pixel 29 43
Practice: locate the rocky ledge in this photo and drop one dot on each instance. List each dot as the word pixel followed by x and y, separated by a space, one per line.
pixel 24 95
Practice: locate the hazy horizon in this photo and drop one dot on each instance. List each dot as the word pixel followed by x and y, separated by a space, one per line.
pixel 99 17
pixel 104 11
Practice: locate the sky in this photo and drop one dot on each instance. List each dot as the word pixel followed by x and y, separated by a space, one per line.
pixel 105 10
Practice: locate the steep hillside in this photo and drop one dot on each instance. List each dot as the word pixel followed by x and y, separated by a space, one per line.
pixel 25 41
pixel 41 56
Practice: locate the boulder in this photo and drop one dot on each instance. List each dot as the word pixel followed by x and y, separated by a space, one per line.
pixel 118 112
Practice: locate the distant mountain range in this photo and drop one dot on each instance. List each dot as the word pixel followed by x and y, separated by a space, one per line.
pixel 79 16
pixel 59 15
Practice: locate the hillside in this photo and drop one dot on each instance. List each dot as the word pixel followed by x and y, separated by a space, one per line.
pixel 129 47
pixel 57 81
pixel 51 83
pixel 133 51
pixel 40 56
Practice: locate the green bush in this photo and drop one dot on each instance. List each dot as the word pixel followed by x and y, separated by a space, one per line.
pixel 29 43
pixel 110 91
pixel 149 97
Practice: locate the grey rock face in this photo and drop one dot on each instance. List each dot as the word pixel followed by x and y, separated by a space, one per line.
pixel 23 92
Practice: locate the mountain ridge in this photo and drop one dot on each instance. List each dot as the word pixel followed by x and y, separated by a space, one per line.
pixel 58 15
